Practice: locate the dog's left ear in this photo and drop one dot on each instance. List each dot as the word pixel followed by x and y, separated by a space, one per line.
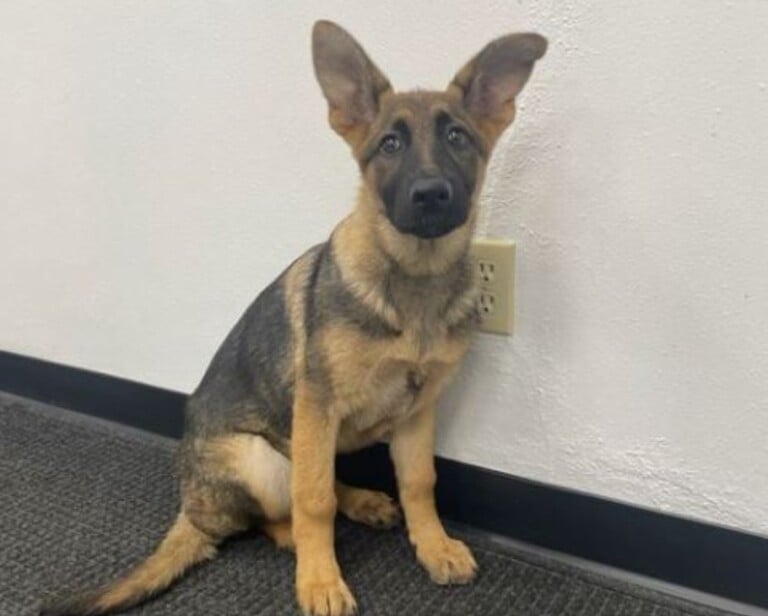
pixel 489 82
pixel 351 82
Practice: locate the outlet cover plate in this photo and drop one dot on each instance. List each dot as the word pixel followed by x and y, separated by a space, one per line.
pixel 494 269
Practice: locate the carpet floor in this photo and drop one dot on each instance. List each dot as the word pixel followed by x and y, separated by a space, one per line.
pixel 82 499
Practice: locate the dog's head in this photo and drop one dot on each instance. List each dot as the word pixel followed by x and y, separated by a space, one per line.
pixel 422 154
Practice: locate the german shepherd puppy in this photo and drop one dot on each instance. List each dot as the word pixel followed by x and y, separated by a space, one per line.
pixel 352 344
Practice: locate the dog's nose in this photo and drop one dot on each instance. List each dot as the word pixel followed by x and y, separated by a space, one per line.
pixel 431 193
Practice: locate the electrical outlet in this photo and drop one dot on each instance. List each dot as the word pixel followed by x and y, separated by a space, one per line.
pixel 487 302
pixel 494 269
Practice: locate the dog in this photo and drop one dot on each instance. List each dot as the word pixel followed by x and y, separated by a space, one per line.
pixel 352 344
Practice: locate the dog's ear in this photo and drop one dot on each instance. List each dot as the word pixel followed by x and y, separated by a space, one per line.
pixel 489 82
pixel 350 81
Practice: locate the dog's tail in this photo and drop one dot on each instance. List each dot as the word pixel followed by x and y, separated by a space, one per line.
pixel 184 546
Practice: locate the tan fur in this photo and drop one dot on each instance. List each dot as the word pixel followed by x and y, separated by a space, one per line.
pixel 319 586
pixel 362 263
pixel 369 378
pixel 447 560
pixel 281 533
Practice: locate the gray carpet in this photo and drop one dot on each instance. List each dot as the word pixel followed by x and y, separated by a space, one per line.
pixel 83 499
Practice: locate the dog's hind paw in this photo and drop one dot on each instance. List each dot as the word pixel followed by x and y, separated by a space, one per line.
pixel 370 507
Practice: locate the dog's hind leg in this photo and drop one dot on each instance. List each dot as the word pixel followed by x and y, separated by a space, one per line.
pixel 263 472
pixel 281 533
pixel 375 509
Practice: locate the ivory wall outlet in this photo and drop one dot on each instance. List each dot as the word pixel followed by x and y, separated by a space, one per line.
pixel 494 261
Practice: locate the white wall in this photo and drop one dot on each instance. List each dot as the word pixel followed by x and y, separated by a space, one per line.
pixel 162 162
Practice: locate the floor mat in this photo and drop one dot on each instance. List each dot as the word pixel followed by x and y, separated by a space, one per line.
pixel 83 499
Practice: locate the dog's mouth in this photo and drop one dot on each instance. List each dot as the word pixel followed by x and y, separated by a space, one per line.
pixel 430 226
pixel 430 230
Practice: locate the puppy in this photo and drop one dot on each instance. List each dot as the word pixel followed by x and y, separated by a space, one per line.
pixel 351 344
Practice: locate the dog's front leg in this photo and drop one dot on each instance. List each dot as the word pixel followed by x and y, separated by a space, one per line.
pixel 320 588
pixel 447 560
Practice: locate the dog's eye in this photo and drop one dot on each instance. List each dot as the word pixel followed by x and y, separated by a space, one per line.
pixel 390 144
pixel 457 137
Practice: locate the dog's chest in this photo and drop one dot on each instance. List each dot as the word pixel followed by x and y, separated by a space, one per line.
pixel 380 380
pixel 384 383
pixel 387 391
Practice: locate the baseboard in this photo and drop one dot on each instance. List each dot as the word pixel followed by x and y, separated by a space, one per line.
pixel 712 559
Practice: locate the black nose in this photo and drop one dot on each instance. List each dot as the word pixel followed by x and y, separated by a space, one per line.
pixel 431 193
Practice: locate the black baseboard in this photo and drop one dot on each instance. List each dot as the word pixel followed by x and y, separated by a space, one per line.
pixel 705 557
pixel 128 402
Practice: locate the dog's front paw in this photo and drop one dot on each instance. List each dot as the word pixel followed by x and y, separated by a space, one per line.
pixel 447 560
pixel 325 597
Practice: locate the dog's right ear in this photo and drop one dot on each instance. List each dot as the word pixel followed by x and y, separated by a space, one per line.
pixel 351 82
